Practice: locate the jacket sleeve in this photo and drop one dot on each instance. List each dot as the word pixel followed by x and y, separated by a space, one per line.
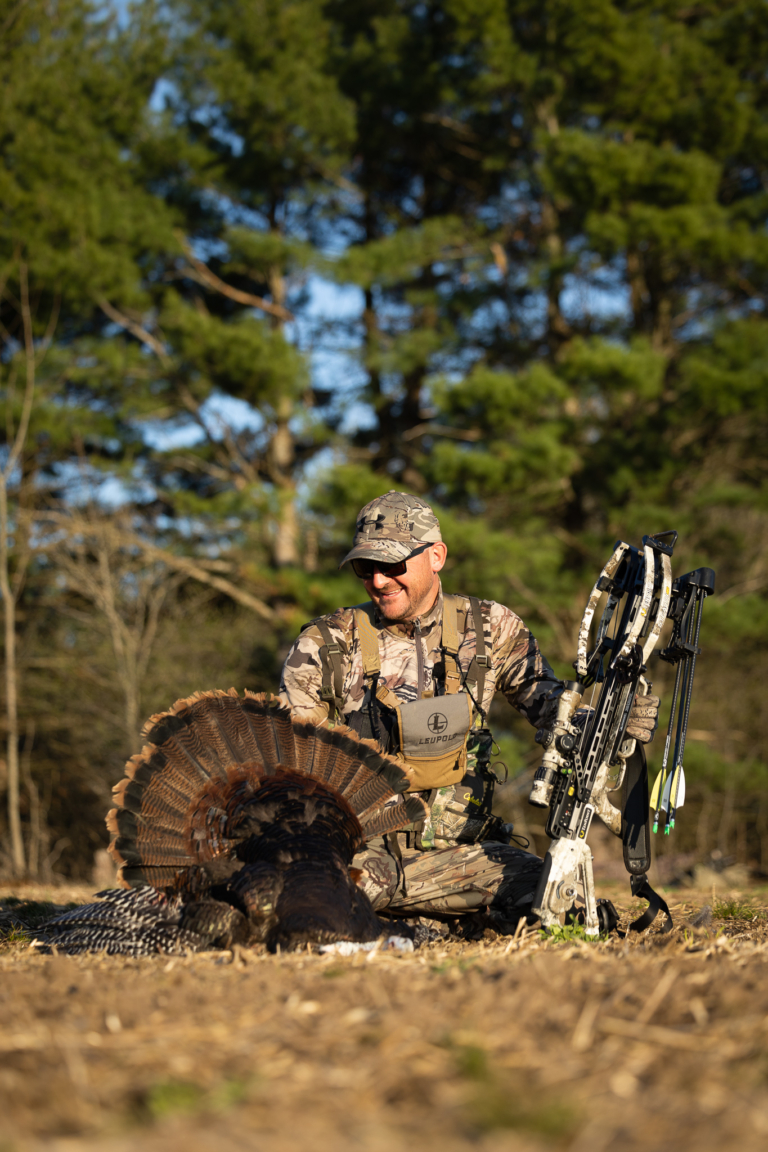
pixel 302 678
pixel 522 673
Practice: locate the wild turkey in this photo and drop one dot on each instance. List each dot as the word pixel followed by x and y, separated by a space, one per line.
pixel 238 824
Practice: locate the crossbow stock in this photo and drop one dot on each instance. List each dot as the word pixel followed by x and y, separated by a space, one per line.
pixel 582 763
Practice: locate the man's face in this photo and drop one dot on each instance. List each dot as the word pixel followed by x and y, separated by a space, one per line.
pixel 412 594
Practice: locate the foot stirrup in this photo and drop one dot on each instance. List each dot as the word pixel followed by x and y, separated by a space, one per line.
pixel 641 887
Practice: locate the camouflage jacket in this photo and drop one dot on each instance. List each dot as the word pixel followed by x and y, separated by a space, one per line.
pixel 458 813
pixel 517 667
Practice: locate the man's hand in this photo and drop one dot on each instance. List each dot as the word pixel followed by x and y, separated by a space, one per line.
pixel 643 719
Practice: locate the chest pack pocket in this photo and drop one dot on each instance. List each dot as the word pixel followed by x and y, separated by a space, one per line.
pixel 433 739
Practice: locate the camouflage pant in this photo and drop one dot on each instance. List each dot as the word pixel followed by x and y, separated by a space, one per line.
pixel 448 880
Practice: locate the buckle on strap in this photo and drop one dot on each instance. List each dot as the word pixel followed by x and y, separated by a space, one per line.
pixel 450 628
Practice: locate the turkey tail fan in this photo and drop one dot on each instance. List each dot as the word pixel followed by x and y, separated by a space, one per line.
pixel 213 730
pixel 383 820
pixel 347 762
pixel 183 798
pixel 210 738
pixel 272 725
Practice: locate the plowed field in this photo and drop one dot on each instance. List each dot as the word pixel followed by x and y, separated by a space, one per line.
pixel 528 1044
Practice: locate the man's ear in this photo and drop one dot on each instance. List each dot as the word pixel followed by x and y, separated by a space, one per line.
pixel 438 554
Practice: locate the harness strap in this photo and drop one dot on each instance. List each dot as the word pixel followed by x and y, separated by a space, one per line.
pixel 369 650
pixel 479 665
pixel 369 642
pixel 332 687
pixel 451 645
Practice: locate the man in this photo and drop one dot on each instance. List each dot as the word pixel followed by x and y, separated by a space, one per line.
pixel 416 670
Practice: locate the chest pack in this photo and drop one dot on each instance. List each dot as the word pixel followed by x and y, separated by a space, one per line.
pixel 430 734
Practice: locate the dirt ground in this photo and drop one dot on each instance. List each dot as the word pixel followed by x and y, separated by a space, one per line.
pixel 521 1045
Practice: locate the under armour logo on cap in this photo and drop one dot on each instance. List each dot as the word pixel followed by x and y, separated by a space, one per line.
pixel 393 526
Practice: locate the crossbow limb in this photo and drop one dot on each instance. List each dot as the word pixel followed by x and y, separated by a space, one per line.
pixel 582 764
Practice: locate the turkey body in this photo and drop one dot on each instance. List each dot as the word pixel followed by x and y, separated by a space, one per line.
pixel 237 825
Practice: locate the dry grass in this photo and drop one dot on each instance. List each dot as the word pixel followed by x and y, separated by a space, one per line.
pixel 659 1042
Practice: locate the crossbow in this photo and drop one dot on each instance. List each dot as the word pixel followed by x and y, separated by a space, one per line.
pixel 588 756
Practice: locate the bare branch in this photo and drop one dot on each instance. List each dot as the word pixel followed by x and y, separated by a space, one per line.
pixel 53 320
pixel 4 278
pixel 182 564
pixel 454 125
pixel 227 457
pixel 135 329
pixel 743 588
pixel 337 179
pixel 23 544
pixel 155 600
pixel 196 569
pixel 236 455
pixel 10 392
pixel 446 430
pixel 193 407
pixel 195 464
pixel 500 258
pixel 573 542
pixel 11 17
pixel 202 274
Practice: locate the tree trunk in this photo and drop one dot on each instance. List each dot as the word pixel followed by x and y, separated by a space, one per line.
pixel 285 549
pixel 36 836
pixel 10 595
pixel 558 329
pixel 11 697
pixel 637 288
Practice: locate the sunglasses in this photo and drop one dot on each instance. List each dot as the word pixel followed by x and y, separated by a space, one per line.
pixel 366 569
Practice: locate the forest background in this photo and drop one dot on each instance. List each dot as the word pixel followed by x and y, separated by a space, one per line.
pixel 261 260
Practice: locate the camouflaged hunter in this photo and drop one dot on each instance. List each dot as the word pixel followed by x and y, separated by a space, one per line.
pixel 422 687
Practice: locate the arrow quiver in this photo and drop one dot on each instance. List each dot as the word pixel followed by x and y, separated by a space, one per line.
pixel 583 763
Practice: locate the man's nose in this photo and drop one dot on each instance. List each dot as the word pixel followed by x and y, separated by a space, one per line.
pixel 379 580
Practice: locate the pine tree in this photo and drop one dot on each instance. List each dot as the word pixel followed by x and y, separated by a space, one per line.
pixel 261 110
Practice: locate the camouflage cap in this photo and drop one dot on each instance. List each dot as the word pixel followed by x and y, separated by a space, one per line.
pixel 393 526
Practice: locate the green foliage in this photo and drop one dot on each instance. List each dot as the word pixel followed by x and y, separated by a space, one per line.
pixel 182 1097
pixel 240 358
pixel 492 1104
pixel 74 88
pixel 571 934
pixel 555 218
pixel 735 910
